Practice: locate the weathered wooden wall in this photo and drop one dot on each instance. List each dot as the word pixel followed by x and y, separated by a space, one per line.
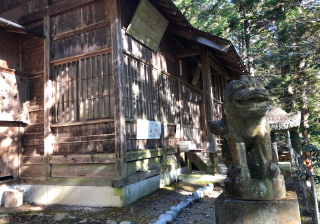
pixel 81 71
pixel 9 50
pixel 14 93
pixel 151 92
pixel 31 158
pixel 85 140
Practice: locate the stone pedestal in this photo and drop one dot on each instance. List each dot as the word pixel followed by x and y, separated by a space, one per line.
pixel 282 211
pixel 255 189
pixel 13 198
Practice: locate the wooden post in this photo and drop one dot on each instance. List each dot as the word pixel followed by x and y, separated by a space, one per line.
pixel 118 86
pixel 48 103
pixel 160 89
pixel 207 101
pixel 295 142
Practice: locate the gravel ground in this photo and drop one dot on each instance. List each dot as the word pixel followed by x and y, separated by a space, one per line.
pixel 202 211
pixel 145 210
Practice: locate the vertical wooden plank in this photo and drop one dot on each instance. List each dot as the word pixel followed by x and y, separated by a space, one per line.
pixel 111 86
pixel 67 82
pixel 118 80
pixel 91 106
pixel 97 111
pixel 106 87
pixel 20 148
pixel 86 89
pixel 55 94
pixel 48 103
pixel 73 92
pixel 160 102
pixel 80 90
pixel 207 100
pixel 102 113
pixel 63 90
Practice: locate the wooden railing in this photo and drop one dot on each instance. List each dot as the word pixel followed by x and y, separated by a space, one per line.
pixel 310 195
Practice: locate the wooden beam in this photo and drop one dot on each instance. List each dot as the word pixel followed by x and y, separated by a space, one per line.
pixel 183 53
pixel 208 41
pixel 118 86
pixel 52 10
pixel 67 181
pixel 173 17
pixel 196 74
pixel 159 3
pixel 83 158
pixel 201 50
pixel 81 30
pixel 121 182
pixel 221 70
pixel 48 105
pixel 170 11
pixel 144 154
pixel 10 4
pixel 160 96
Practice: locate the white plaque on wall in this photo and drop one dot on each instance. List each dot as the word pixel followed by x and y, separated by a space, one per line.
pixel 178 131
pixel 148 129
pixel 147 25
pixel 165 130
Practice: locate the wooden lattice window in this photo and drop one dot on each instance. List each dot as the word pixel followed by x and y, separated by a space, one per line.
pixel 169 100
pixel 141 90
pixel 83 89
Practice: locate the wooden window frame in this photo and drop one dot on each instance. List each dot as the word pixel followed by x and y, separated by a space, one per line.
pixel 83 88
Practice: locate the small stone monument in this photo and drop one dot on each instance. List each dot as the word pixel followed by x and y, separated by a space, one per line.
pixel 254 176
pixel 13 198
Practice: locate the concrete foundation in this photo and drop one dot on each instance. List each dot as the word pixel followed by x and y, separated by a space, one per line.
pixel 100 196
pixel 281 211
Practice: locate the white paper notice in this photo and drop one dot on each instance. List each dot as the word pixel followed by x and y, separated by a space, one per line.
pixel 148 129
pixel 165 130
pixel 178 131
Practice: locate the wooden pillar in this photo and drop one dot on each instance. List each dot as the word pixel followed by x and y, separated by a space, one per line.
pixel 207 101
pixel 295 142
pixel 48 103
pixel 118 86
pixel 162 137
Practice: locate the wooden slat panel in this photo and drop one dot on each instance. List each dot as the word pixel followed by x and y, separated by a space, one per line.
pixel 84 147
pixel 143 165
pixel 83 158
pixel 137 155
pixel 33 149
pixel 52 10
pixel 171 150
pixel 27 160
pixel 33 142
pixel 121 182
pixel 32 171
pixel 84 170
pixel 34 128
pixel 81 30
pixel 84 138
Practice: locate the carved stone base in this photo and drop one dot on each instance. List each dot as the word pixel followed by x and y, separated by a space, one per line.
pixel 256 189
pixel 281 211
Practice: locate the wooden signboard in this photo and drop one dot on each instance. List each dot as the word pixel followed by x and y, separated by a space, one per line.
pixel 148 25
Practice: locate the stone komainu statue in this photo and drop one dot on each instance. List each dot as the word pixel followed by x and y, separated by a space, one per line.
pixel 254 174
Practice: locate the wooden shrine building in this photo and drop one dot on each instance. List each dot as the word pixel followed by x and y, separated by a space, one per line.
pixel 96 96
